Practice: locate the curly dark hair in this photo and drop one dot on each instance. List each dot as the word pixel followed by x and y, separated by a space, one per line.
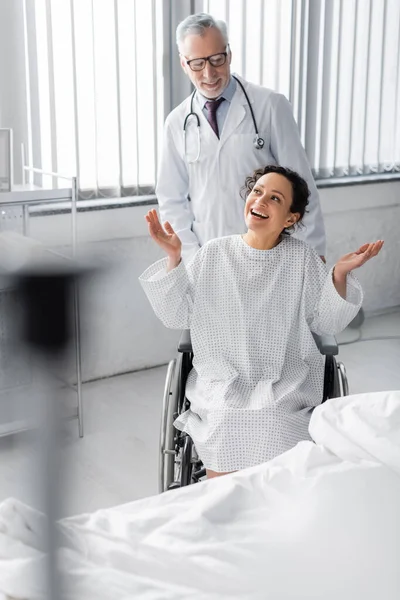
pixel 300 190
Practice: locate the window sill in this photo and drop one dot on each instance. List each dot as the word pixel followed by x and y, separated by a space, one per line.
pixel 58 201
pixel 50 208
pixel 24 194
pixel 351 180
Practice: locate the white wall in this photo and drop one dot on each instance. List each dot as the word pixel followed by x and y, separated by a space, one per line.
pixel 120 332
pixel 358 214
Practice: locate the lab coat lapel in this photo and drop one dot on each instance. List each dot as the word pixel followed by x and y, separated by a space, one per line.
pixel 235 116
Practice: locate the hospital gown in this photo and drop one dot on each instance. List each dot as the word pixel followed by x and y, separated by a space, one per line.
pixel 257 372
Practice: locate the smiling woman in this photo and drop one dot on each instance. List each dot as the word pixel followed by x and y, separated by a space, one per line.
pixel 252 304
pixel 276 203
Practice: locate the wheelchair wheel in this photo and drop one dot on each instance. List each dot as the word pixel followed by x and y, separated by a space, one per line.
pixel 167 443
pixel 179 464
pixel 344 385
pixel 186 469
pixel 332 382
pixel 191 469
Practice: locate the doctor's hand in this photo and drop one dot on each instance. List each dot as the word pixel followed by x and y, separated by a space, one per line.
pixel 165 237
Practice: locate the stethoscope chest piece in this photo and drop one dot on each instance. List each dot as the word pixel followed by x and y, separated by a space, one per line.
pixel 258 143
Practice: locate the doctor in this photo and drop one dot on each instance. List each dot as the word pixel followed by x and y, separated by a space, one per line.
pixel 219 135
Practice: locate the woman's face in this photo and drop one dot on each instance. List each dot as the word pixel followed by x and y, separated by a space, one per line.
pixel 268 205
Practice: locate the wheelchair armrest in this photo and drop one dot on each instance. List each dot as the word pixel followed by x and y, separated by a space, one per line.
pixel 326 344
pixel 185 343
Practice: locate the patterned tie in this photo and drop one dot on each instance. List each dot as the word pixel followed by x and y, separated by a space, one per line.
pixel 212 106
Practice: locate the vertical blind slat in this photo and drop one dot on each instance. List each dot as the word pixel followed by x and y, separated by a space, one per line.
pixel 293 51
pixel 303 81
pixel 244 24
pixel 28 96
pixel 320 87
pixel 73 44
pixel 118 92
pixel 136 104
pixel 278 46
pixel 96 140
pixel 227 10
pixel 155 96
pixel 353 67
pixel 53 123
pixel 262 37
pixel 365 168
pixel 378 158
pixel 335 159
pixel 396 128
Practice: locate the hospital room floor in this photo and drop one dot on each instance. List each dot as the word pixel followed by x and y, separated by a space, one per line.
pixel 117 459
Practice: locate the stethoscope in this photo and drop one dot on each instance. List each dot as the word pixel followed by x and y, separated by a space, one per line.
pixel 258 140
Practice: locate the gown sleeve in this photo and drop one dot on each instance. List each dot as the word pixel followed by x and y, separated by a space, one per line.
pixel 171 295
pixel 326 311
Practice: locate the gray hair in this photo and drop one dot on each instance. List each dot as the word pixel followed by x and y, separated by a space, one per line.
pixel 197 25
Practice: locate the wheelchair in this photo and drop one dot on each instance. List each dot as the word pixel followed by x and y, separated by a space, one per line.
pixel 179 464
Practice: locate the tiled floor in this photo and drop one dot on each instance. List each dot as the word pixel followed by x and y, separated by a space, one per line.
pixel 116 461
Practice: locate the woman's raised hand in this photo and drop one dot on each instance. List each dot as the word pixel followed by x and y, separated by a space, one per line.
pixel 356 259
pixel 165 236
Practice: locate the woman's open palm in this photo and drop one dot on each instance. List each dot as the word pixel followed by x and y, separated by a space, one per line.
pixel 354 260
pixel 165 236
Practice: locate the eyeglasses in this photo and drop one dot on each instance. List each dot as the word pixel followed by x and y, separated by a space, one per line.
pixel 215 60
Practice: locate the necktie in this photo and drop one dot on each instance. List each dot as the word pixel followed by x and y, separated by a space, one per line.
pixel 212 106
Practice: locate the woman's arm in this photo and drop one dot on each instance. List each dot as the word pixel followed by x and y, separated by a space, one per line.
pixel 168 285
pixel 351 261
pixel 340 283
pixel 170 294
pixel 333 300
pixel 173 263
pixel 166 238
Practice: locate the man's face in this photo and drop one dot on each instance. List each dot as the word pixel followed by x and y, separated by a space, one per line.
pixel 211 81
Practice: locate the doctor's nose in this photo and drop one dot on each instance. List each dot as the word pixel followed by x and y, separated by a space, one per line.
pixel 208 71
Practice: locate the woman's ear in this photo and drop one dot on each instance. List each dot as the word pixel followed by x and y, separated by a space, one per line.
pixel 292 220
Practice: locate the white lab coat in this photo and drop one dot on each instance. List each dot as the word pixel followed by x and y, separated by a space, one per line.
pixel 213 183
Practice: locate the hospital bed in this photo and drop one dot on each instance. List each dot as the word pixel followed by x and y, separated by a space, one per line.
pixel 319 522
pixel 179 464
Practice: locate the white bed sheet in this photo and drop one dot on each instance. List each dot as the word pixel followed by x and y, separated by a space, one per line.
pixel 320 522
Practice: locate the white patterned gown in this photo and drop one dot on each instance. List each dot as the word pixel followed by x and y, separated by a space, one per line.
pixel 257 372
